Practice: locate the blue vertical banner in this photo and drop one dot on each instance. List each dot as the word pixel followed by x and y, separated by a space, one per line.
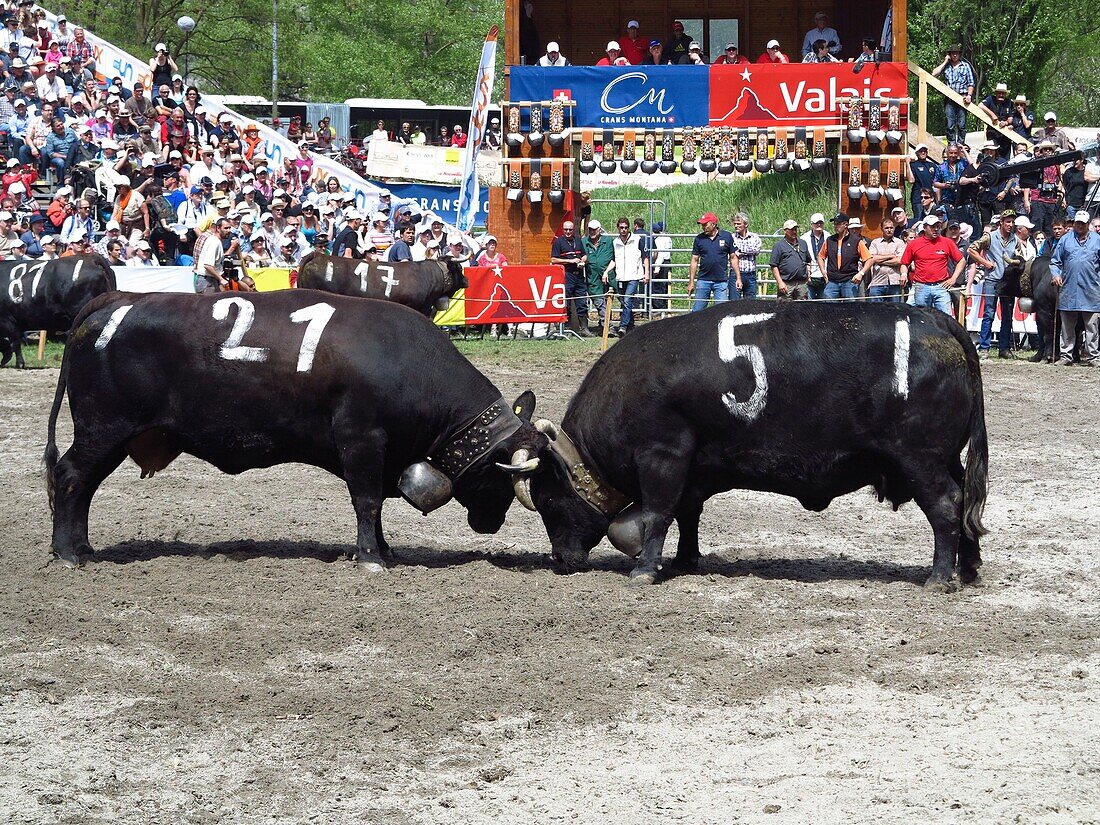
pixel 479 112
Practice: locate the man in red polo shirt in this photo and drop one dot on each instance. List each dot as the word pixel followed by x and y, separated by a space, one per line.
pixel 929 257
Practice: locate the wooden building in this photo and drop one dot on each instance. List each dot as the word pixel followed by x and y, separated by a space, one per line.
pixel 582 28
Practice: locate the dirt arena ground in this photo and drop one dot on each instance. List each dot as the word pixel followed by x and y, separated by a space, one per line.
pixel 222 663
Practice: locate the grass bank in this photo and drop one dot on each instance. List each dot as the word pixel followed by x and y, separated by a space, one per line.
pixel 768 200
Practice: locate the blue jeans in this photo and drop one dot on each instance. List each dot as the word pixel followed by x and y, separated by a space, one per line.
pixel 989 310
pixel 748 286
pixel 888 293
pixel 627 291
pixel 956 122
pixel 929 295
pixel 576 287
pixel 841 289
pixel 704 290
pixel 817 288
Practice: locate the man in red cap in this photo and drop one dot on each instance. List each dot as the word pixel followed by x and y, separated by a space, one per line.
pixel 712 257
pixel 676 49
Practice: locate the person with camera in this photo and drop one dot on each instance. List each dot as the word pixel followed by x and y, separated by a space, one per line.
pixel 1047 198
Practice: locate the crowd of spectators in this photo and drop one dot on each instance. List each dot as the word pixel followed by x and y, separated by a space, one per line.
pixel 148 179
pixel 821 44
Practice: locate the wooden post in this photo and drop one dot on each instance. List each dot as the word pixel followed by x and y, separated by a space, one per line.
pixel 922 105
pixel 41 344
pixel 608 292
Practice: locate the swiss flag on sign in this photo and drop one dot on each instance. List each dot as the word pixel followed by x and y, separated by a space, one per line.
pixel 563 94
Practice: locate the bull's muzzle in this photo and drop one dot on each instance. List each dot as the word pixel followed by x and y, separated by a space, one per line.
pixel 425 487
pixel 442 304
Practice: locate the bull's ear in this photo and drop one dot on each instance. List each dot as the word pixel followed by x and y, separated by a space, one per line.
pixel 524 406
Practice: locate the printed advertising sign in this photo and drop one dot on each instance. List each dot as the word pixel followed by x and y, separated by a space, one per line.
pixel 796 94
pixel 508 295
pixel 656 97
pixel 645 97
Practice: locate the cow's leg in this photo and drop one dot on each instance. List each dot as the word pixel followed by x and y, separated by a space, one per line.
pixel 76 478
pixel 362 455
pixel 940 497
pixel 970 554
pixel 662 472
pixel 383 546
pixel 687 549
pixel 17 345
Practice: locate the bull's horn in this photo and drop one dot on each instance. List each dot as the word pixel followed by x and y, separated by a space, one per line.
pixel 522 487
pixel 521 462
pixel 547 428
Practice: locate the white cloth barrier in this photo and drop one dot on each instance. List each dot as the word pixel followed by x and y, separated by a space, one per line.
pixel 1021 322
pixel 155 278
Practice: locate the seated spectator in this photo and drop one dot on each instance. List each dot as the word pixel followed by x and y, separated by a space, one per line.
pixel 773 54
pixel 656 55
pixel 35 139
pixel 258 256
pixel 731 56
pixel 1053 133
pixel 80 221
pixel 553 56
pixel 613 53
pixel 695 54
pixel 33 236
pixel 22 200
pixel 821 31
pixel 288 253
pixel 111 234
pixel 491 255
pixel 17 251
pixel 634 47
pixel 819 53
pixel 380 134
pixel 458 137
pixel 867 54
pixel 49 83
pixel 676 49
pixel 253 147
pixel 142 255
pixel 80 52
pixel 444 136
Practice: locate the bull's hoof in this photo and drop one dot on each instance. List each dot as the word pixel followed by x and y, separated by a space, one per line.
pixel 940 584
pixel 70 559
pixel 370 563
pixel 1037 358
pixel 970 576
pixel 641 578
pixel 685 564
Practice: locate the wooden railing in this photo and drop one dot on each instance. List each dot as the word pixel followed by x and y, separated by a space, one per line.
pixel 918 126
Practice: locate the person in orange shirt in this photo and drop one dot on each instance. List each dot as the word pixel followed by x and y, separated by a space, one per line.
pixel 845 259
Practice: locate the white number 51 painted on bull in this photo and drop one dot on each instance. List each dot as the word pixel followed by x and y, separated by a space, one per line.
pixel 315 317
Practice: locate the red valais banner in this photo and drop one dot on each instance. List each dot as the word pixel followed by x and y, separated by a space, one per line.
pixel 797 94
pixel 513 295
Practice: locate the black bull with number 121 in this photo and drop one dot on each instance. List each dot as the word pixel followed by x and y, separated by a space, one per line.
pixel 426 286
pixel 806 399
pixel 368 390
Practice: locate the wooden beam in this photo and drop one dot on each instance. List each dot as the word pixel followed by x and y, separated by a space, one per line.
pixel 901 37
pixel 511 32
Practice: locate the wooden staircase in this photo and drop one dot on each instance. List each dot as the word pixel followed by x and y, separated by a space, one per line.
pixel 918 132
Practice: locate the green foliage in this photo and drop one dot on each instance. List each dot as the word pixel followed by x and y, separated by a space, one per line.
pixel 329 50
pixel 1011 41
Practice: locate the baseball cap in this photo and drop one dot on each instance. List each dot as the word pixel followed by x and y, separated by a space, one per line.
pixel 13 162
pixel 773 44
pixel 122 180
pixel 1050 116
pixel 64 190
pixel 160 47
pixel 731 45
pixel 266 216
pixel 920 146
pixel 694 47
pixel 653 43
pixel 174 154
pixel 595 225
pixel 932 220
pixel 790 224
pixel 112 224
pixel 840 217
pixel 142 245
pixel 6 216
pixel 1023 220
pixel 855 223
pixel 38 217
pixel 552 46
pixel 633 24
pixel 454 238
pixel 708 217
pixel 352 215
pixel 1001 87
pixel 196 189
pixel 17 242
pixel 1081 217
pixel 258 235
pixel 613 45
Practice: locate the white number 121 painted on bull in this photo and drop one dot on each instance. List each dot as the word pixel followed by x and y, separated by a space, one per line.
pixel 315 317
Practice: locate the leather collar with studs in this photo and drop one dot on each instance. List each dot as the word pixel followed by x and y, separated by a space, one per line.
pixel 476 439
pixel 601 497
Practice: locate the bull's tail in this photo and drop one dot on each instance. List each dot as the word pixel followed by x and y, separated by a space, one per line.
pixel 976 474
pixel 50 457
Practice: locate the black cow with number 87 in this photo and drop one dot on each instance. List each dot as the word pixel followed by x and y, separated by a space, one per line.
pixel 370 391
pixel 809 399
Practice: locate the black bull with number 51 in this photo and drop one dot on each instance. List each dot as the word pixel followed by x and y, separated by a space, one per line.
pixel 40 294
pixel 806 399
pixel 426 286
pixel 367 390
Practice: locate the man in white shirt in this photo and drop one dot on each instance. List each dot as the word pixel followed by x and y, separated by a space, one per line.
pixel 207 167
pixel 631 269
pixel 193 210
pixel 821 31
pixel 553 56
pixel 815 239
pixel 50 83
pixel 208 261
pixel 142 255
